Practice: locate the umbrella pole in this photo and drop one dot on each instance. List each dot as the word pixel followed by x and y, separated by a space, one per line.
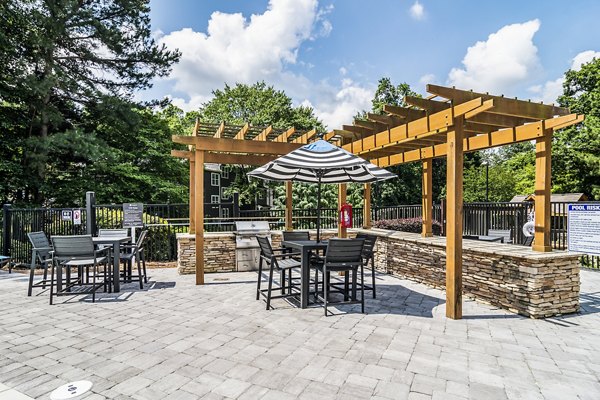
pixel 319 210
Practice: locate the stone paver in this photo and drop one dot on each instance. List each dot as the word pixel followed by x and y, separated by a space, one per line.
pixel 176 340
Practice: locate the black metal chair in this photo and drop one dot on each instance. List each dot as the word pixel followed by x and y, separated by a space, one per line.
pixel 78 252
pixel 296 235
pixel 131 252
pixel 284 262
pixel 368 255
pixel 344 255
pixel 40 253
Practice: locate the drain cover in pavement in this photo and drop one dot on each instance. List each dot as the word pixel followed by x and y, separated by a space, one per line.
pixel 71 390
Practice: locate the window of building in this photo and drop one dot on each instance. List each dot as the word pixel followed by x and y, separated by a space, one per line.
pixel 224 195
pixel 215 179
pixel 225 174
pixel 261 194
pixel 225 213
pixel 214 198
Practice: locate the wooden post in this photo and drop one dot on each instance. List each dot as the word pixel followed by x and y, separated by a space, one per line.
pixel 199 210
pixel 342 232
pixel 192 229
pixel 427 198
pixel 289 225
pixel 367 207
pixel 454 201
pixel 543 157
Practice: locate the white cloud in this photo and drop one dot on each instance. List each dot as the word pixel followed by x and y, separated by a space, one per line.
pixel 427 78
pixel 417 11
pixel 549 91
pixel 337 106
pixel 583 58
pixel 507 58
pixel 236 49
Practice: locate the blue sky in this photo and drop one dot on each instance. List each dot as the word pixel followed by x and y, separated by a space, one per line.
pixel 330 54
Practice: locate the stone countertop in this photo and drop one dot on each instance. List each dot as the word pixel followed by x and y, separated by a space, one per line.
pixel 504 249
pixel 206 234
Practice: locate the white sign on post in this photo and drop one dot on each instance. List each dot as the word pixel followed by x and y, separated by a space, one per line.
pixel 584 228
pixel 76 217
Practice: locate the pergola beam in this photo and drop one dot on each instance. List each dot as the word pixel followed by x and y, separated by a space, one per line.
pixel 220 129
pixel 264 134
pixel 242 132
pixel 513 107
pixel 431 106
pixel 303 139
pixel 480 142
pixel 409 114
pixel 285 135
pixel 359 130
pixel 389 120
pixel 429 123
pixel 227 145
pixel 374 126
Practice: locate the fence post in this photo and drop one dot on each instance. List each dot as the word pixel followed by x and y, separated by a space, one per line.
pixel 6 228
pixel 443 215
pixel 236 205
pixel 90 210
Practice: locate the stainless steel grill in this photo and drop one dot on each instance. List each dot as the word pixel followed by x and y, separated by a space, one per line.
pixel 247 250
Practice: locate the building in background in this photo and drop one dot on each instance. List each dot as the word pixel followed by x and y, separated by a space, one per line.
pixel 218 204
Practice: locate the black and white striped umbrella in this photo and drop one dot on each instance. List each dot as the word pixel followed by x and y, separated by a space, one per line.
pixel 321 162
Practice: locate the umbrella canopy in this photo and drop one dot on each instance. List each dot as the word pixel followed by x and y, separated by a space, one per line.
pixel 321 162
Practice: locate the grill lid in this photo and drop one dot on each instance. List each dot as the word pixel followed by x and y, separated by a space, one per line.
pixel 249 227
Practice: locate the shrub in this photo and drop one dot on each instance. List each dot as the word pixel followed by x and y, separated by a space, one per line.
pixel 414 225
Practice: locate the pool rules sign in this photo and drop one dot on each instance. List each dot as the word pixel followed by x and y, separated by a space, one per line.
pixel 133 215
pixel 584 228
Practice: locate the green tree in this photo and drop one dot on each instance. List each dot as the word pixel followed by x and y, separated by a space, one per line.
pixel 407 188
pixel 64 56
pixel 261 105
pixel 576 149
pixel 123 155
pixel 258 104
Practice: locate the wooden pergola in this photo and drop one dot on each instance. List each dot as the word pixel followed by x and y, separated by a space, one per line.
pixel 244 145
pixel 448 123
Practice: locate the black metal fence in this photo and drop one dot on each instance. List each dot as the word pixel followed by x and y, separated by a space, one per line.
pixel 164 221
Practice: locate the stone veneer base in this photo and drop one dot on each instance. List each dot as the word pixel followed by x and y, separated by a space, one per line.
pixel 512 277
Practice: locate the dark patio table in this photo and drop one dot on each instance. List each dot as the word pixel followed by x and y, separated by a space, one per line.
pixel 305 247
pixel 115 242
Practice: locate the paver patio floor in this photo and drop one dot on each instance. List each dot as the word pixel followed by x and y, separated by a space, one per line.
pixel 181 341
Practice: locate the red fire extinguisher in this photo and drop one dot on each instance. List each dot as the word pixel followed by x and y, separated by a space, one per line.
pixel 346 216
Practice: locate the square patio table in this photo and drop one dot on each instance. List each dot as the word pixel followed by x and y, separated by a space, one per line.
pixel 305 247
pixel 115 242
